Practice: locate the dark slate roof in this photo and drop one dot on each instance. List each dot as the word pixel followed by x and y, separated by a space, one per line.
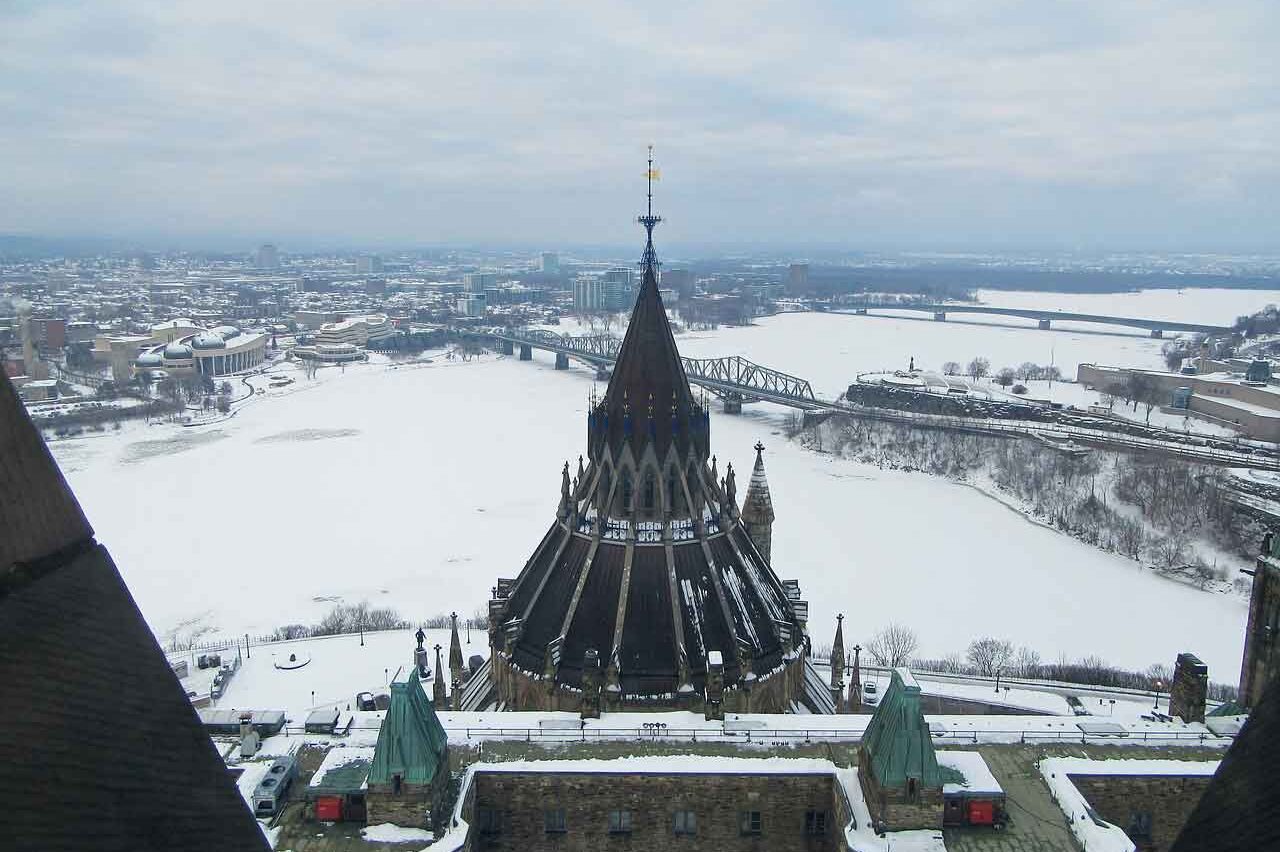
pixel 733 595
pixel 411 742
pixel 648 399
pixel 100 747
pixel 1240 811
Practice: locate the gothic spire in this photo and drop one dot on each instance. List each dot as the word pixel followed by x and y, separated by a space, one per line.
pixel 757 506
pixel 648 381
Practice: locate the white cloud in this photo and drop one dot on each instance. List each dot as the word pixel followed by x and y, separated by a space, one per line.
pixel 933 123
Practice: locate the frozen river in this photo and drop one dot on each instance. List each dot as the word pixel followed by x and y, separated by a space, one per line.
pixel 417 487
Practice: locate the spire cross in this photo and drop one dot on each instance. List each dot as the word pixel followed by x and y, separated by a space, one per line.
pixel 650 258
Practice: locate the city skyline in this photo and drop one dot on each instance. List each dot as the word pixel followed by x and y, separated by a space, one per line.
pixel 936 126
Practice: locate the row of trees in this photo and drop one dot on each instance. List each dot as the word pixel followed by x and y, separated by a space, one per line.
pixel 1152 509
pixel 988 656
pixel 979 367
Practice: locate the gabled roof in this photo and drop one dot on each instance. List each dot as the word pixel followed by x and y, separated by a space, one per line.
pixel 897 740
pixel 412 742
pixel 72 637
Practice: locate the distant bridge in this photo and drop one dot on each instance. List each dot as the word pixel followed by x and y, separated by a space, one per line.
pixel 1044 318
pixel 734 379
pixel 737 380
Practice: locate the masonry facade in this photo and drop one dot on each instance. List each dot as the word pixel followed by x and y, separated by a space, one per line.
pixel 1262 631
pixel 1150 809
pixel 565 812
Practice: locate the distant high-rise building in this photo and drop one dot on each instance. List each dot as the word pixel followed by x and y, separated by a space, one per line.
pixel 798 277
pixel 368 263
pixel 619 288
pixel 472 304
pixel 549 263
pixel 614 290
pixel 478 282
pixel 267 257
pixel 588 293
pixel 680 281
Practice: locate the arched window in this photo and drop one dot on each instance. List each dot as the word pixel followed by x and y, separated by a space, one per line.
pixel 673 494
pixel 626 491
pixel 650 491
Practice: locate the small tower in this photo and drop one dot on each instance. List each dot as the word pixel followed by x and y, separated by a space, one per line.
pixel 438 694
pixel 837 666
pixel 757 508
pixel 455 660
pixel 855 681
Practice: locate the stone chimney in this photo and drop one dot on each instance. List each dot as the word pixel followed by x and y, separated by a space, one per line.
pixel 1190 688
pixel 714 708
pixel 591 684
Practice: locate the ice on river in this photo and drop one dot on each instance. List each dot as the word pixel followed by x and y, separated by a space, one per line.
pixel 418 488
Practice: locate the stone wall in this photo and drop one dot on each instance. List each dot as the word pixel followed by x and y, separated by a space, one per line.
pixel 717 800
pixel 893 808
pixel 1121 799
pixel 413 807
pixel 1261 642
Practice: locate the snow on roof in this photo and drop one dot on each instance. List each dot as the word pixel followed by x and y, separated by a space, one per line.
pixel 1094 833
pixel 670 764
pixel 977 777
pixel 340 765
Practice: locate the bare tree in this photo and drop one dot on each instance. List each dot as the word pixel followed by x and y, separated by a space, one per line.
pixel 979 367
pixel 1004 378
pixel 893 646
pixel 1028 370
pixel 951 368
pixel 989 655
pixel 1026 663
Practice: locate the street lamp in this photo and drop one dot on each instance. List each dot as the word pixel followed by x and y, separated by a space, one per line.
pixel 1155 705
pixel 998 681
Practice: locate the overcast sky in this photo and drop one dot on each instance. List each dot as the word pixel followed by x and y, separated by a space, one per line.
pixel 860 124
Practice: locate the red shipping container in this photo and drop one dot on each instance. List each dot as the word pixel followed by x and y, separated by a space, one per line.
pixel 329 808
pixel 981 813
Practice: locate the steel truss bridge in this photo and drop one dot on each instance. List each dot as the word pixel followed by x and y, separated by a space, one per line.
pixel 737 380
pixel 734 379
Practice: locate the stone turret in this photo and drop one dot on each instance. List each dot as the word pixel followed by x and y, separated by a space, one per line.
pixel 438 694
pixel 837 665
pixel 757 508
pixel 855 682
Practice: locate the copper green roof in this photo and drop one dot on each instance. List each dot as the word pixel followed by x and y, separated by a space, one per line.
pixel 898 741
pixel 412 742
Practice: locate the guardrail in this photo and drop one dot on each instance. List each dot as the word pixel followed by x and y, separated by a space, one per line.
pixel 660 733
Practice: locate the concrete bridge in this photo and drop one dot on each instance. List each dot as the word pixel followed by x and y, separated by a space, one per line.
pixel 1045 319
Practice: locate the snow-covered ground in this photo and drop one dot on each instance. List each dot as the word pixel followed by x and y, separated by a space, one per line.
pixel 416 487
